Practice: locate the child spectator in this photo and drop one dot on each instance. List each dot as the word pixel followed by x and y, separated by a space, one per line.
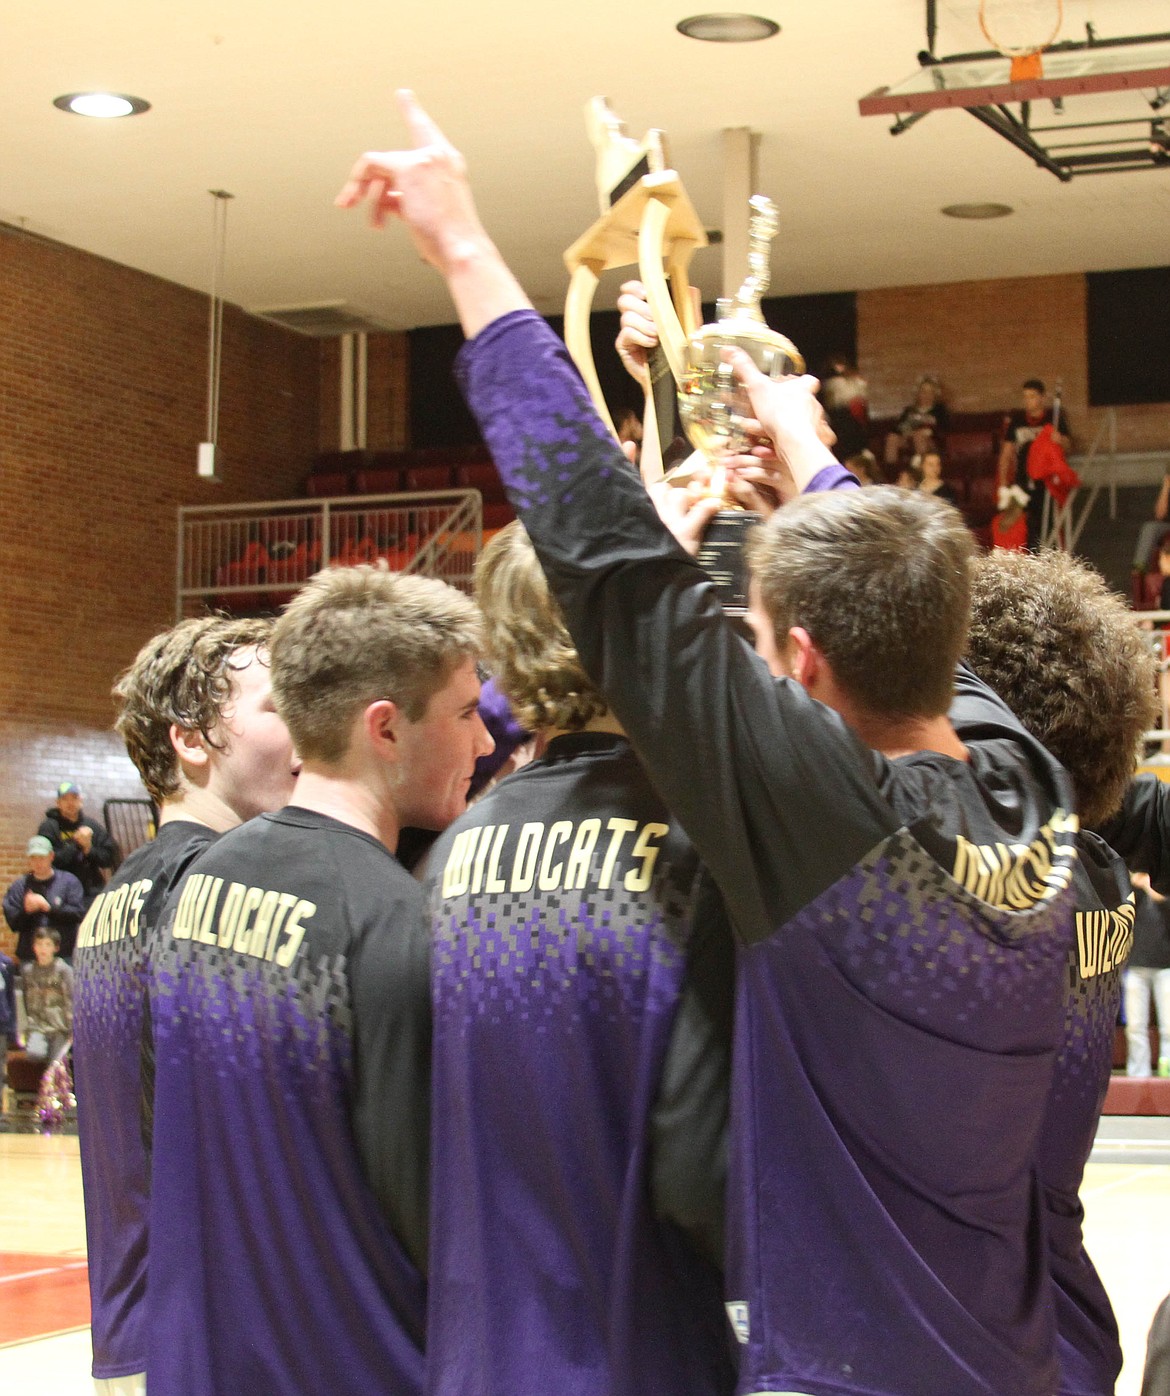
pixel 47 983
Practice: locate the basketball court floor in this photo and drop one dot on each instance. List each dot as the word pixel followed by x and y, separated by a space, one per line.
pixel 44 1303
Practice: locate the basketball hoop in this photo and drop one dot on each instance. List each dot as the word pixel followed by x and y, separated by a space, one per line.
pixel 1021 30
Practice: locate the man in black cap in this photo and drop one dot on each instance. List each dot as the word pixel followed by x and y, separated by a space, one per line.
pixel 81 845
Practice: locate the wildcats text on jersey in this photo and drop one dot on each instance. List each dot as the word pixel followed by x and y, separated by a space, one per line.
pixel 248 920
pixel 555 857
pixel 1104 939
pixel 1017 876
pixel 114 915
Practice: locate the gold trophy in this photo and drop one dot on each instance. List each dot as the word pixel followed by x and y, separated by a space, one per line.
pixel 714 405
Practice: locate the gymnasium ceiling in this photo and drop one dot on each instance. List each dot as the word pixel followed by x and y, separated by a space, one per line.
pixel 272 101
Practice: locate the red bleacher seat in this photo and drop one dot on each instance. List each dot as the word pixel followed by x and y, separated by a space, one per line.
pixel 381 481
pixel 483 477
pixel 324 486
pixel 497 515
pixel 422 479
pixel 354 551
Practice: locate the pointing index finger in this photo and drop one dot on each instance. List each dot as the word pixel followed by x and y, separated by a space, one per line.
pixel 423 130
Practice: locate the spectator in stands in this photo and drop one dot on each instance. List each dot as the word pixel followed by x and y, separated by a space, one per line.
pixel 864 465
pixel 844 396
pixel 44 897
pixel 81 845
pixel 1148 975
pixel 1020 428
pixel 927 412
pixel 47 985
pixel 1164 573
pixel 1151 534
pixel 932 481
pixel 909 476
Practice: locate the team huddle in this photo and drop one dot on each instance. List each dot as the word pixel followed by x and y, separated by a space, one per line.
pixel 751 1038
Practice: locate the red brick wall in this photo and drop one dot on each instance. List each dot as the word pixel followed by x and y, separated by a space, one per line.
pixel 102 404
pixel 983 338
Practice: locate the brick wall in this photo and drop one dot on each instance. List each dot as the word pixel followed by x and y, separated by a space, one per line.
pixel 102 404
pixel 983 338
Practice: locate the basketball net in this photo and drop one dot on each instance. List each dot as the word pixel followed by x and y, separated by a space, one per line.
pixel 1021 30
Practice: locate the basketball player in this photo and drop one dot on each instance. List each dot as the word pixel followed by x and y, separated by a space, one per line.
pixel 582 984
pixel 1063 652
pixel 291 1008
pixel 898 878
pixel 197 718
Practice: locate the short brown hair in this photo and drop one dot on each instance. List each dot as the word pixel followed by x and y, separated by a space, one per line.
pixel 181 677
pixel 530 651
pixel 355 635
pixel 1064 653
pixel 881 580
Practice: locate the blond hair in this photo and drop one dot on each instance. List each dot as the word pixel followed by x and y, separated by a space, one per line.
pixel 531 654
pixel 182 677
pixel 355 635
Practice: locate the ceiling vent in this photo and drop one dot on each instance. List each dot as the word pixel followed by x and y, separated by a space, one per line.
pixel 323 320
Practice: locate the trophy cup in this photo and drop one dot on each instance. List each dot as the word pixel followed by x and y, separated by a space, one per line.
pixel 713 404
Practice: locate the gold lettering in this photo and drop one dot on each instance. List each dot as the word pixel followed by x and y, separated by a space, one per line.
pixel 295 932
pixel 259 937
pixel 85 931
pixel 495 883
pixel 287 899
pixel 228 912
pixel 581 854
pixel 618 829
pixel 205 934
pixel 181 930
pixel 457 873
pixel 138 893
pixel 524 864
pixel 550 877
pixel 485 839
pixel 647 849
pixel 242 941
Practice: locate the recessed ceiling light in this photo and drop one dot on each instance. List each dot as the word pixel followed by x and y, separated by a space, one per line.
pixel 728 29
pixel 978 210
pixel 101 104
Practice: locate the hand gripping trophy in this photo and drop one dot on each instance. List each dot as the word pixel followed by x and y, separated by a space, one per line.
pixel 714 406
pixel 647 218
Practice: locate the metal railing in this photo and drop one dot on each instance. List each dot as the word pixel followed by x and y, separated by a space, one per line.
pixel 253 557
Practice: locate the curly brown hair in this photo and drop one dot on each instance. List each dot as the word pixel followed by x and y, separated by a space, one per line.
pixel 532 656
pixel 182 678
pixel 1064 653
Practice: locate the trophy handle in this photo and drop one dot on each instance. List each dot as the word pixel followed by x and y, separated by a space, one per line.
pixel 651 244
pixel 578 308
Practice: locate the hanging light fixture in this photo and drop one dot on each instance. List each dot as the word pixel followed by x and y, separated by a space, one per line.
pixel 206 461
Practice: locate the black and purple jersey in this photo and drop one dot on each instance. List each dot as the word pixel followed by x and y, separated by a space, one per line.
pixel 903 925
pixel 1086 1329
pixel 110 1029
pixel 290 998
pixel 582 981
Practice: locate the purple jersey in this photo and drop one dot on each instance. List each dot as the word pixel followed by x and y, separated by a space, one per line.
pixel 109 1034
pixel 904 927
pixel 290 997
pixel 1087 1339
pixel 582 983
